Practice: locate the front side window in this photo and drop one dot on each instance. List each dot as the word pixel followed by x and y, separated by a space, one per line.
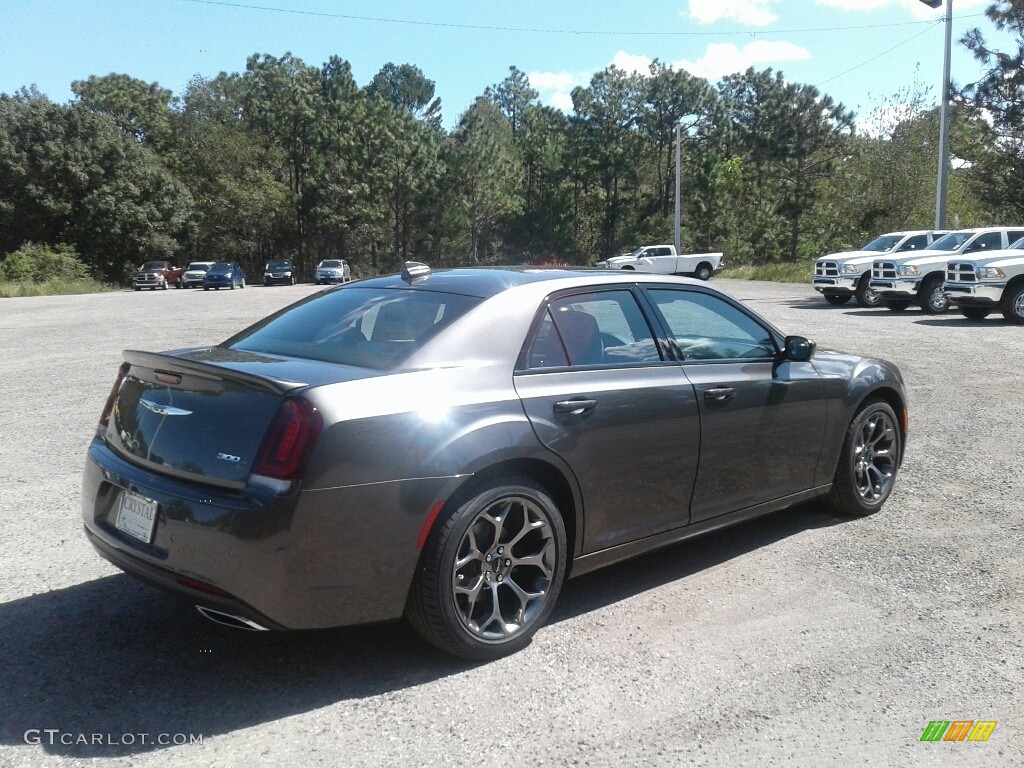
pixel 915 243
pixel 705 327
pixel 600 328
pixel 989 241
pixel 882 243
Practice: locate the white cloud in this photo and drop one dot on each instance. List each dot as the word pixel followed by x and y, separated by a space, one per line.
pixel 551 81
pixel 752 13
pixel 562 101
pixel 628 62
pixel 722 59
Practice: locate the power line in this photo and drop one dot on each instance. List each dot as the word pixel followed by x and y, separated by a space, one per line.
pixel 541 30
pixel 931 26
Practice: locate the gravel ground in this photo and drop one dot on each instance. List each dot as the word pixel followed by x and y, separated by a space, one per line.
pixel 801 639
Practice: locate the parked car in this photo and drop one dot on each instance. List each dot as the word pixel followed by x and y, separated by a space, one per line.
pixel 194 273
pixel 333 271
pixel 840 277
pixel 452 445
pixel 224 274
pixel 280 271
pixel 157 274
pixel 918 278
pixel 663 260
pixel 979 286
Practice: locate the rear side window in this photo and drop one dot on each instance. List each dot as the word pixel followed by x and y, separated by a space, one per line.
pixel 365 327
pixel 600 328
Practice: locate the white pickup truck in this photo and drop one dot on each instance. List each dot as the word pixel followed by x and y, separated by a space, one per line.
pixel 979 286
pixel 904 280
pixel 842 276
pixel 663 259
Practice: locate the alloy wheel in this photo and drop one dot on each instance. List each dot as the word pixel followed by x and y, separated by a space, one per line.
pixel 503 570
pixel 874 457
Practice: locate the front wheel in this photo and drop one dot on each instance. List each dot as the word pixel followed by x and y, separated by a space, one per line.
pixel 837 299
pixel 491 571
pixel 868 462
pixel 242 284
pixel 865 295
pixel 975 313
pixel 1013 304
pixel 933 299
pixel 703 271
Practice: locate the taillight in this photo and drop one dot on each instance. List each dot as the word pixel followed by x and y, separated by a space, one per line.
pixel 109 406
pixel 289 440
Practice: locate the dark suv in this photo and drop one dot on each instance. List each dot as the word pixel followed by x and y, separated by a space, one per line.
pixel 280 271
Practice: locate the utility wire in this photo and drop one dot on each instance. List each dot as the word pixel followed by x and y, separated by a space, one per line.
pixel 535 30
pixel 880 55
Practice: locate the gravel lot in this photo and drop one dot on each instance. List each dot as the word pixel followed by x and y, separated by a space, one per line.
pixel 801 639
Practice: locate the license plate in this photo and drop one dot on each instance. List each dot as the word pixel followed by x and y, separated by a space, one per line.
pixel 137 516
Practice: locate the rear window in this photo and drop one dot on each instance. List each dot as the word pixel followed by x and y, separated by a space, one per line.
pixel 365 327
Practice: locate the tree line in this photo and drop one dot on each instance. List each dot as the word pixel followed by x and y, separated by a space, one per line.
pixel 289 160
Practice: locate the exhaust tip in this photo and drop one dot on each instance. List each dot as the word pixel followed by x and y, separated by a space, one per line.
pixel 229 620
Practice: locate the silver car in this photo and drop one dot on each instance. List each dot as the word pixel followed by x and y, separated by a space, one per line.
pixel 332 271
pixel 451 445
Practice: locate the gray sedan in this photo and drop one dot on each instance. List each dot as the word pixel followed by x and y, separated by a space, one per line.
pixel 451 445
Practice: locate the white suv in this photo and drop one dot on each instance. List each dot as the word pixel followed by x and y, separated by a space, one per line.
pixel 902 281
pixel 840 277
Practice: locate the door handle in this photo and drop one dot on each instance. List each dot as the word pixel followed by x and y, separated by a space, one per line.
pixel 575 407
pixel 719 394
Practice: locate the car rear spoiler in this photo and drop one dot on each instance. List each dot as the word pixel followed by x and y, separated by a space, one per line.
pixel 218 370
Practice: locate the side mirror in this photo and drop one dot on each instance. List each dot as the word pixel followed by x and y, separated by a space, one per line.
pixel 798 349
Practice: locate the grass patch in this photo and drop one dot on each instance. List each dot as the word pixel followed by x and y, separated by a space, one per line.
pixel 55 287
pixel 774 273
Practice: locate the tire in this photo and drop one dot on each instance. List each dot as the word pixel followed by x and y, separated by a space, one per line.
pixel 837 299
pixel 932 299
pixel 266 283
pixel 178 285
pixel 703 271
pixel 137 288
pixel 975 313
pixel 869 461
pixel 865 295
pixel 293 280
pixel 163 286
pixel 242 285
pixel 895 305
pixel 510 517
pixel 1012 305
pixel 206 287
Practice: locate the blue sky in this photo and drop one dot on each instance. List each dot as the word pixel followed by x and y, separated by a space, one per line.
pixel 466 45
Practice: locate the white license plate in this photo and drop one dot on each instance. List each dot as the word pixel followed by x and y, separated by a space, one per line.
pixel 137 516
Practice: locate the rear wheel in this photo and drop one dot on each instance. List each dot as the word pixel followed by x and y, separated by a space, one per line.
pixel 163 286
pixel 895 305
pixel 975 313
pixel 837 299
pixel 868 462
pixel 703 271
pixel 865 295
pixel 1013 304
pixel 490 571
pixel 933 299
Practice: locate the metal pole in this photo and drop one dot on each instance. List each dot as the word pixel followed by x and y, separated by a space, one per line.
pixel 677 188
pixel 943 180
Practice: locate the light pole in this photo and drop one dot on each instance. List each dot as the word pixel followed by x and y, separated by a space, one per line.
pixel 678 130
pixel 942 184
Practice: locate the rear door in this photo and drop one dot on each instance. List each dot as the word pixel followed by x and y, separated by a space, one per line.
pixel 599 392
pixel 762 421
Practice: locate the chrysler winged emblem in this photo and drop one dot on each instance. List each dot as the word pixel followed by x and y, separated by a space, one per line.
pixel 163 410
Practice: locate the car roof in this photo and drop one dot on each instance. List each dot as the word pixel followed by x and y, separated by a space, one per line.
pixel 485 282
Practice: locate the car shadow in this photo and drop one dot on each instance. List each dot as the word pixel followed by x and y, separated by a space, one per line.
pixel 613 584
pixel 959 321
pixel 112 659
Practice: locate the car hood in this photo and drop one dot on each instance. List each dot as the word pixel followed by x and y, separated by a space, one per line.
pixel 853 257
pixel 621 260
pixel 1011 257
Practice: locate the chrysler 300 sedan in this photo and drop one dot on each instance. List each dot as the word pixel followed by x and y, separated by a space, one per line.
pixel 450 445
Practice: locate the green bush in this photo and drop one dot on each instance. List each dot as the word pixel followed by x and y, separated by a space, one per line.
pixel 41 263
